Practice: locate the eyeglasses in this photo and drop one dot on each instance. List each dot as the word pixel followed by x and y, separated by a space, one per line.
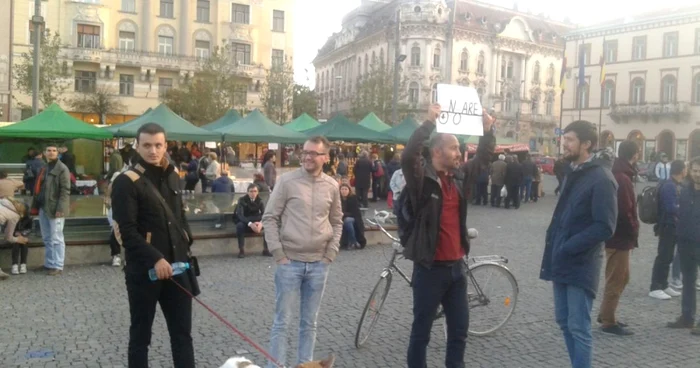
pixel 313 154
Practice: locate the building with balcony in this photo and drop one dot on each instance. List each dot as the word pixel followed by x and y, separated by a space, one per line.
pixel 5 64
pixel 142 48
pixel 512 58
pixel 651 89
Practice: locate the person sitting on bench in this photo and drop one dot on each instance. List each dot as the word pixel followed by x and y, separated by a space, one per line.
pixel 248 218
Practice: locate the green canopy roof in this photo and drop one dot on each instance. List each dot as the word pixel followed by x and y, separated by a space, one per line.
pixel 402 132
pixel 256 128
pixel 301 123
pixel 339 128
pixel 229 118
pixel 176 128
pixel 54 123
pixel 371 121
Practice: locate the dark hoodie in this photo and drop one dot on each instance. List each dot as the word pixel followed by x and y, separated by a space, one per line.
pixel 627 230
pixel 583 220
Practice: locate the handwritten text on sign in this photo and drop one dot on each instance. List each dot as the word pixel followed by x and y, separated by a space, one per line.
pixel 461 110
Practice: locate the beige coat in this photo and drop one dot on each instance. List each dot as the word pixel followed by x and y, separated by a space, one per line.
pixel 8 187
pixel 303 218
pixel 9 219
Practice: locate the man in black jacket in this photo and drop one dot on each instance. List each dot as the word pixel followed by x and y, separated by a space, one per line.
pixel 437 190
pixel 363 170
pixel 514 180
pixel 153 237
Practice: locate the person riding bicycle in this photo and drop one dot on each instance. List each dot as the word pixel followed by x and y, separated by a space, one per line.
pixel 437 189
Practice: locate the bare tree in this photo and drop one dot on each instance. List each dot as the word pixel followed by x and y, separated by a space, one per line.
pixel 102 102
pixel 277 93
pixel 52 81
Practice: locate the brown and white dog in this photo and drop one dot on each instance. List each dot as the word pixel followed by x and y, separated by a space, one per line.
pixel 239 362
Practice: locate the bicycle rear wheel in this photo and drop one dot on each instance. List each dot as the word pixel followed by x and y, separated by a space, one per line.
pixel 492 294
pixel 374 305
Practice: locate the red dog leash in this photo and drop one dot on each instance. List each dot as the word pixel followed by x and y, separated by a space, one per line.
pixel 229 325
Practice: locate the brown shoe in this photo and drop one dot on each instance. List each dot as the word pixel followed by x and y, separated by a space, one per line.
pixel 55 272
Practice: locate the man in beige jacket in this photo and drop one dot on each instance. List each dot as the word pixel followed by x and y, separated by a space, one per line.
pixel 303 223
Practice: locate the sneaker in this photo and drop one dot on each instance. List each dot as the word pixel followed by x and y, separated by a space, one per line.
pixel 15 269
pixel 3 276
pixel 617 330
pixel 116 261
pixel 680 323
pixel 672 292
pixel 241 255
pixel 22 269
pixel 659 294
pixel 55 272
pixel 676 284
pixel 621 324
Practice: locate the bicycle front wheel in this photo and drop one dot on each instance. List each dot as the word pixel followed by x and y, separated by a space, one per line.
pixel 374 305
pixel 492 294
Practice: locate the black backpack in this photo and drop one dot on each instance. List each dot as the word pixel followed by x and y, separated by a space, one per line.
pixel 648 204
pixel 403 210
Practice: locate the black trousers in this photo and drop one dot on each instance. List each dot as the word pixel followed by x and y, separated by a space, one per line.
pixel 535 194
pixel 177 309
pixel 690 261
pixel 17 250
pixel 664 257
pixel 376 188
pixel 482 193
pixel 361 193
pixel 189 185
pixel 496 195
pixel 241 230
pixel 114 248
pixel 513 196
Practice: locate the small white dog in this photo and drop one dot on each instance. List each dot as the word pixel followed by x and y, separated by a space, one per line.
pixel 239 362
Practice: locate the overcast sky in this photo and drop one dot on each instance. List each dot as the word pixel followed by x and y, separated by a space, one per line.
pixel 316 20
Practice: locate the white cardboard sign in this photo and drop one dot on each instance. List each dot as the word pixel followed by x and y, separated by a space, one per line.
pixel 461 110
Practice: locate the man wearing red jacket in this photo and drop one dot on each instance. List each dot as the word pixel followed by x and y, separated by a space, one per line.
pixel 617 248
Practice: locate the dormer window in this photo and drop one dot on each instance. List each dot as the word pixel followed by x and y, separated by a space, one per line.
pixel 483 20
pixel 417 9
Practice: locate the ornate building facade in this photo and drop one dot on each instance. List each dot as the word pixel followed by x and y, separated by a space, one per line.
pixel 513 59
pixel 142 48
pixel 651 89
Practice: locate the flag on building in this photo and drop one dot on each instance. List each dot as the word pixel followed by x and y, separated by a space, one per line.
pixel 562 76
pixel 582 64
pixel 602 65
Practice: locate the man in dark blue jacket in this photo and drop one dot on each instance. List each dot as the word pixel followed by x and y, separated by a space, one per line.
pixel 688 236
pixel 583 220
pixel 666 230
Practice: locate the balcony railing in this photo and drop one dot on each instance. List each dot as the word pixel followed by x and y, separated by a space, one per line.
pixel 650 110
pixel 149 59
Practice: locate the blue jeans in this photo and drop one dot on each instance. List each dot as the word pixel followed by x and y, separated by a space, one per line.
pixel 304 281
pixel 349 228
pixel 526 189
pixel 52 235
pixel 432 287
pixel 690 260
pixel 572 310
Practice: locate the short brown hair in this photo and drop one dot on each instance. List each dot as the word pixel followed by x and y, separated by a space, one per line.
pixel 319 139
pixel 150 129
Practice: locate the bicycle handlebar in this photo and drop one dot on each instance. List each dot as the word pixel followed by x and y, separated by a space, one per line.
pixel 376 223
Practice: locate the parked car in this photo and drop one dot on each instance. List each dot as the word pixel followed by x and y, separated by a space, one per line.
pixel 546 163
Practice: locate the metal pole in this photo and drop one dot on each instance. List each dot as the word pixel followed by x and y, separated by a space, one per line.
pixel 561 117
pixel 600 117
pixel 397 54
pixel 37 20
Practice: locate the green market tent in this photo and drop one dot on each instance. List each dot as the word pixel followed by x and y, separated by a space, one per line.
pixel 176 128
pixel 301 123
pixel 371 121
pixel 402 132
pixel 256 128
pixel 229 118
pixel 54 123
pixel 339 128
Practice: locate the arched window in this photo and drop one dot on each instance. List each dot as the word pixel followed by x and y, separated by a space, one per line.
pixel 480 63
pixel 413 91
pixel 359 67
pixel 374 58
pixel 608 93
pixel 535 107
pixel 464 61
pixel 503 69
pixel 433 98
pixel 381 56
pixel 509 71
pixel 508 103
pixel 668 89
pixel 550 75
pixel 366 64
pixel 536 73
pixel 637 92
pixel 549 105
pixel 436 57
pixel 415 56
pixel 696 88
pixel 582 96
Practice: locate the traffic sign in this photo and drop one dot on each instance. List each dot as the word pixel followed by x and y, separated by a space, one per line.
pixel 557 131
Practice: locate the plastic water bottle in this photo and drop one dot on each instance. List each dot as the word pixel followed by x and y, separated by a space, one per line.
pixel 178 268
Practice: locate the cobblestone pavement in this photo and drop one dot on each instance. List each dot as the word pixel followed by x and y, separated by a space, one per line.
pixel 81 318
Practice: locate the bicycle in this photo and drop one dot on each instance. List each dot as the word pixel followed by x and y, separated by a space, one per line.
pixel 476 297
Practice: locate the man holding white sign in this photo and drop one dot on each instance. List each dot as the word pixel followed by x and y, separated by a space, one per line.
pixel 461 111
pixel 436 204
